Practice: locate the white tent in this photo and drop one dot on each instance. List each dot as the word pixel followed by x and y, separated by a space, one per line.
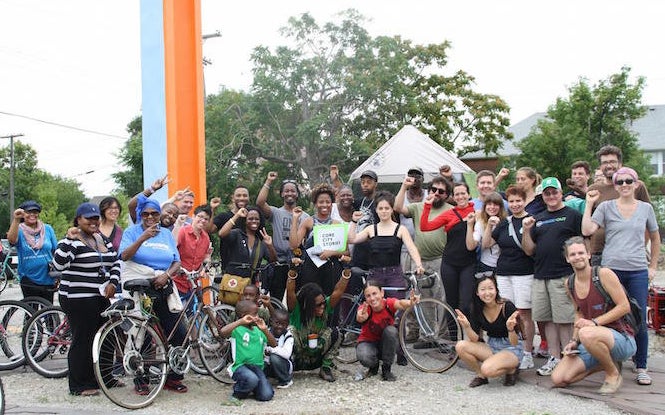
pixel 408 148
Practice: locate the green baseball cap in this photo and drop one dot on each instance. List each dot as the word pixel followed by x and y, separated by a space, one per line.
pixel 551 182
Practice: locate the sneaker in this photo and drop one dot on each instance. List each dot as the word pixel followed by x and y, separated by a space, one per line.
pixel 387 374
pixel 543 351
pixel 141 389
pixel 401 360
pixel 527 361
pixel 548 368
pixel 326 374
pixel 511 378
pixel 478 381
pixel 285 385
pixel 175 386
pixel 609 388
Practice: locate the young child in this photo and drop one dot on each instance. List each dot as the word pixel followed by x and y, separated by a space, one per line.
pixel 278 358
pixel 378 334
pixel 251 293
pixel 249 336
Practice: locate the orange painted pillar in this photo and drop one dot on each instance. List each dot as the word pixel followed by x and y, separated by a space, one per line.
pixel 173 119
pixel 183 73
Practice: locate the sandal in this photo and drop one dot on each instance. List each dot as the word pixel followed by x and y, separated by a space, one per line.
pixel 643 377
pixel 89 392
pixel 478 381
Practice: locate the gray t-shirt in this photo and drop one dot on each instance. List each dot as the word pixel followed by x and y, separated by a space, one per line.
pixel 281 227
pixel 624 238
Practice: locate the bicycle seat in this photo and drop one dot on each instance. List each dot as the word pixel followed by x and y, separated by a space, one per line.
pixel 124 304
pixel 359 272
pixel 140 285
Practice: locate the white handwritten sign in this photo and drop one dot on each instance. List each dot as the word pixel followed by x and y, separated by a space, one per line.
pixel 331 237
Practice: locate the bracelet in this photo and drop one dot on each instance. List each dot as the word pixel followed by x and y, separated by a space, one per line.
pixel 266 186
pixel 354 221
pixel 594 321
pixel 511 331
pixel 232 222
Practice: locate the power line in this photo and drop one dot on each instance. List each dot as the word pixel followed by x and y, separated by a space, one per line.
pixel 85 130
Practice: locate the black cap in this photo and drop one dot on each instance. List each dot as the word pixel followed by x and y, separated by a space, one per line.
pixel 371 174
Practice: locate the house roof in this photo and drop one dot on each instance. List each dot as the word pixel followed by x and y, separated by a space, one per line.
pixel 650 130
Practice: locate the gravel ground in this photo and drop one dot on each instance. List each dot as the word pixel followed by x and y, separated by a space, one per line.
pixel 414 392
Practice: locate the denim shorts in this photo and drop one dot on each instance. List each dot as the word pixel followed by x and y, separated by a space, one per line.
pixel 498 344
pixel 624 347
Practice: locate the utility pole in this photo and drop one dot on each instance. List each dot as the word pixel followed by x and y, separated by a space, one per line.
pixel 11 171
pixel 207 61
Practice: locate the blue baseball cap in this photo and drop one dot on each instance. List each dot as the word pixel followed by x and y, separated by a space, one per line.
pixel 87 210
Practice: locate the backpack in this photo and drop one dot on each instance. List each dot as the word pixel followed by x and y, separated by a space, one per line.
pixel 634 318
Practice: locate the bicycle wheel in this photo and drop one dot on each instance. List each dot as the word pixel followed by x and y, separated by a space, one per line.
pixel 4 278
pixel 348 329
pixel 428 333
pixel 37 303
pixel 196 364
pixel 13 317
pixel 215 352
pixel 46 341
pixel 129 359
pixel 2 398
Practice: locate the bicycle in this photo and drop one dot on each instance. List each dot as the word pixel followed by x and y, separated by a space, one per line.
pixel 7 271
pixel 13 316
pixel 428 331
pixel 46 340
pixel 132 346
pixel 207 295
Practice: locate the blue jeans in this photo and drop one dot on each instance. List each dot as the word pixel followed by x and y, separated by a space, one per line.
pixel 279 368
pixel 250 378
pixel 637 285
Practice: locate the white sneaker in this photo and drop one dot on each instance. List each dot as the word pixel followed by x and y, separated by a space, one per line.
pixel 527 361
pixel 548 368
pixel 285 385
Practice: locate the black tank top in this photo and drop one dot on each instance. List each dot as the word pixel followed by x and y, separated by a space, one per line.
pixel 385 250
pixel 455 252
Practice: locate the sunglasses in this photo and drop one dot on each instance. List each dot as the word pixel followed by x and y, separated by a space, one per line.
pixel 621 182
pixel 321 304
pixel 438 190
pixel 149 214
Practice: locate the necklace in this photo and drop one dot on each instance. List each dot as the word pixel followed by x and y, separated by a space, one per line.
pixel 85 240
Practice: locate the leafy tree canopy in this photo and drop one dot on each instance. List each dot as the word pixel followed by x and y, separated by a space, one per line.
pixel 58 196
pixel 589 118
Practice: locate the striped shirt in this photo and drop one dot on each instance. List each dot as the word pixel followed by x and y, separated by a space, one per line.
pixel 81 266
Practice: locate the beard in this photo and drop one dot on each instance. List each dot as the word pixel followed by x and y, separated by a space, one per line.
pixel 437 203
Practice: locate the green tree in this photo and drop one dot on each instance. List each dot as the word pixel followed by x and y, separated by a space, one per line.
pixel 59 197
pixel 337 93
pixel 589 118
pixel 130 180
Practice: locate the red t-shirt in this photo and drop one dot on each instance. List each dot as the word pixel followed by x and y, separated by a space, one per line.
pixel 192 251
pixel 372 329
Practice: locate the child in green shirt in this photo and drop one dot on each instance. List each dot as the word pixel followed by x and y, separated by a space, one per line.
pixel 249 337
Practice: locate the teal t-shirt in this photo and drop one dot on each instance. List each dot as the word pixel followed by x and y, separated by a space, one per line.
pixel 247 346
pixel 32 263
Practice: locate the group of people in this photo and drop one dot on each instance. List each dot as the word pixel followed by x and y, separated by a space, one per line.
pixel 504 261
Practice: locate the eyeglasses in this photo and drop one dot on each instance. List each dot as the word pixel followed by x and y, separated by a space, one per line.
pixel 287 181
pixel 150 214
pixel 620 182
pixel 321 304
pixel 438 190
pixel 606 162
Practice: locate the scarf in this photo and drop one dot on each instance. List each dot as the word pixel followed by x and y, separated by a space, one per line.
pixel 34 237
